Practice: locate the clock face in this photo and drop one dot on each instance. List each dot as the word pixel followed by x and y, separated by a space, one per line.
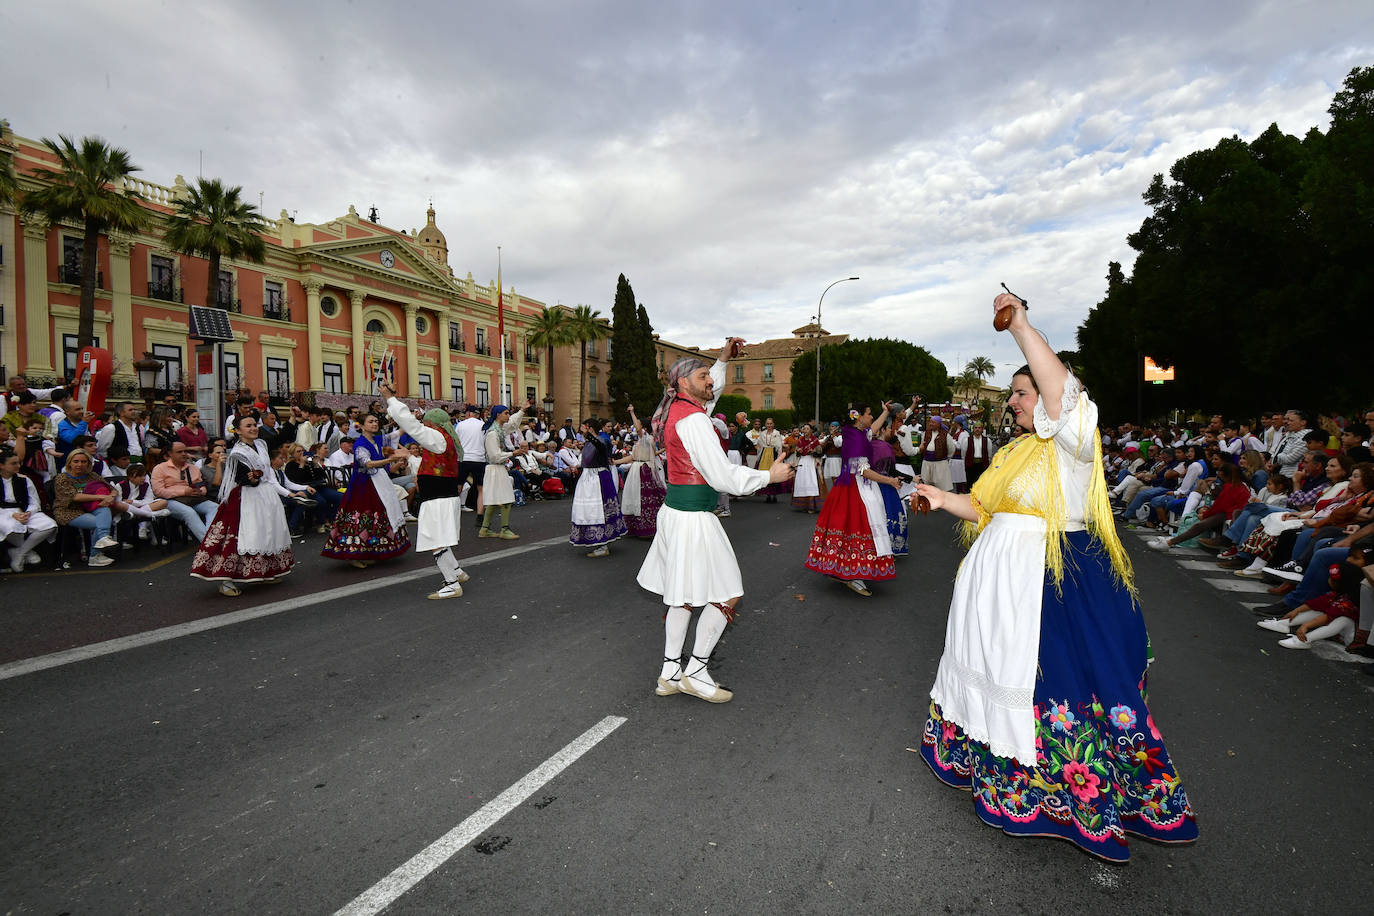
pixel 388 259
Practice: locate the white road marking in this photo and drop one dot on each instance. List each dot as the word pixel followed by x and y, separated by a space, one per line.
pixel 1202 566
pixel 138 640
pixel 1237 584
pixel 389 889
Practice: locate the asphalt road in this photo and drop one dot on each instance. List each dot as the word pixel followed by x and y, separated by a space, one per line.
pixel 289 763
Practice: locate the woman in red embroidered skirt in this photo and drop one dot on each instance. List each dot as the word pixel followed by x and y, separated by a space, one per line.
pixel 851 542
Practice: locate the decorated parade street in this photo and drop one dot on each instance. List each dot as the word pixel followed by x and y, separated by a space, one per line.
pixel 337 743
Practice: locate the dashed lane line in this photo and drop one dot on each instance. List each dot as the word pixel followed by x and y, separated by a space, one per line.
pixel 389 889
pixel 138 640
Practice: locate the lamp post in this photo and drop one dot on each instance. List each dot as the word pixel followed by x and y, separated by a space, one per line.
pixel 548 406
pixel 147 369
pixel 817 418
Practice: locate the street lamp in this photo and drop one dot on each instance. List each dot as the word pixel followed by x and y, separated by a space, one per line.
pixel 147 369
pixel 818 348
pixel 548 405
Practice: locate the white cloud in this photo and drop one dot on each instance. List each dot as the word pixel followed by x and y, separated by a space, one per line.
pixel 731 160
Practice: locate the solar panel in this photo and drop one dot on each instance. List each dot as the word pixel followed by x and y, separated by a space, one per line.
pixel 210 323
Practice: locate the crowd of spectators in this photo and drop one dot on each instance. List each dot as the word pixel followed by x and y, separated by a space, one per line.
pixel 1288 500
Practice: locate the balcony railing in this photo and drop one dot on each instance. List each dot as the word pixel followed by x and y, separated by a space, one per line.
pixel 531 356
pixel 229 305
pixel 72 273
pixel 510 354
pixel 482 350
pixel 455 342
pixel 165 291
pixel 277 311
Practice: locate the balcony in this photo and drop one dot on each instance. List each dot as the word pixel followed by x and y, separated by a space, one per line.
pixel 228 304
pixel 165 291
pixel 456 343
pixel 532 356
pixel 72 273
pixel 482 350
pixel 277 311
pixel 510 354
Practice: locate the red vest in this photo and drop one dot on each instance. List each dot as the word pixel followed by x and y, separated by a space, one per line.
pixel 679 463
pixel 440 464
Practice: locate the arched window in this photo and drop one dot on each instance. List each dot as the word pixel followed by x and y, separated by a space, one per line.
pixel 375 326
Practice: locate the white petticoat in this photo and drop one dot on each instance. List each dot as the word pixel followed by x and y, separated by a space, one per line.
pixel 588 507
pixel 690 560
pixel 440 520
pixel 986 680
pixel 38 521
pixel 806 484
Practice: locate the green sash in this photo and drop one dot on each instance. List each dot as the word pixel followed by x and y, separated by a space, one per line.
pixel 691 497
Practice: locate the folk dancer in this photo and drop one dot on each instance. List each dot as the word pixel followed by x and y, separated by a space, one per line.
pixel 808 488
pixel 596 515
pixel 497 491
pixel 851 541
pixel 370 524
pixel 248 539
pixel 438 487
pixel 690 563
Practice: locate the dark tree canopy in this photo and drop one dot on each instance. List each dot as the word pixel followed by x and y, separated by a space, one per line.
pixel 868 371
pixel 1253 259
pixel 633 378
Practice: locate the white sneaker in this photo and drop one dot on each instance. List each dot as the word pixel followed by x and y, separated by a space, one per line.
pixel 145 531
pixel 104 542
pixel 32 558
pixel 161 513
pixel 1293 642
pixel 410 518
pixel 448 591
pixel 467 509
pixel 602 551
pixel 1277 624
pixel 17 564
pixel 99 559
pixel 1158 543
pixel 463 577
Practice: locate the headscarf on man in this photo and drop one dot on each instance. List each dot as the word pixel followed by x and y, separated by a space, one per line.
pixel 439 419
pixel 679 370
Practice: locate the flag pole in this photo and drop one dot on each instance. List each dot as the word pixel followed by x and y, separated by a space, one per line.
pixel 500 326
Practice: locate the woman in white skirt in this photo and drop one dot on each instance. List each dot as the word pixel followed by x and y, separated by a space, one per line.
pixel 806 487
pixel 958 474
pixel 596 515
pixel 22 520
pixel 830 444
pixel 497 491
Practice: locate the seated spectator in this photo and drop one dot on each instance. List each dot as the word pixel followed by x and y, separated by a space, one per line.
pixel 81 499
pixel 1230 498
pixel 135 493
pixel 116 465
pixel 39 452
pixel 183 485
pixel 23 523
pixel 1158 480
pixel 1295 548
pixel 1333 613
pixel 343 456
pixel 304 470
pixel 1259 546
pixel 1306 491
pixel 1353 438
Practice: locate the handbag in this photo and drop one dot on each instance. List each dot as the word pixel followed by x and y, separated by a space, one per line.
pixel 95 488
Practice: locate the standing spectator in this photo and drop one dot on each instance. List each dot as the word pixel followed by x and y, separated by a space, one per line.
pixel 193 435
pixel 73 424
pixel 473 466
pixel 124 430
pixel 269 432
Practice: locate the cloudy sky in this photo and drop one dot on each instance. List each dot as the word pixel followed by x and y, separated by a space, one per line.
pixel 731 158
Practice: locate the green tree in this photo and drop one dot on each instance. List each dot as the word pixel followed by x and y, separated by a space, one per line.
pixel 633 378
pixel 731 404
pixel 550 330
pixel 87 185
pixel 9 184
pixel 214 222
pixel 1109 356
pixel 867 371
pixel 585 325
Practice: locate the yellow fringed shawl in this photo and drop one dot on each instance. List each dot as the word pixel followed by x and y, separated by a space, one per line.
pixel 1023 478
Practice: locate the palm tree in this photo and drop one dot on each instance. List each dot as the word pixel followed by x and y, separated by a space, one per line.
pixel 552 328
pixel 212 221
pixel 967 382
pixel 9 185
pixel 982 367
pixel 88 185
pixel 585 325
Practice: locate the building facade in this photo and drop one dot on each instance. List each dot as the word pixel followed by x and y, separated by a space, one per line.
pixel 763 373
pixel 329 301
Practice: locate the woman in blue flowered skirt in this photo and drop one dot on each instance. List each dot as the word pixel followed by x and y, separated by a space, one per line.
pixel 1039 704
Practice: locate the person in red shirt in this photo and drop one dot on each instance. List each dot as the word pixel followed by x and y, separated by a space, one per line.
pixel 1233 497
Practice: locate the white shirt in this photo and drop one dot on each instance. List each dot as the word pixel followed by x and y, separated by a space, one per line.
pixel 339 459
pixel 106 437
pixel 470 439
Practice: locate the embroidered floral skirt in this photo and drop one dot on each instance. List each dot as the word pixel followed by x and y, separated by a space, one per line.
pixel 651 496
pixel 361 529
pixel 842 545
pixel 1102 770
pixel 614 525
pixel 218 558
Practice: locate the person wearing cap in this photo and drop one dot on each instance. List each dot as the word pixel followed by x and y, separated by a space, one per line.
pixel 437 488
pixel 497 491
pixel 473 466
